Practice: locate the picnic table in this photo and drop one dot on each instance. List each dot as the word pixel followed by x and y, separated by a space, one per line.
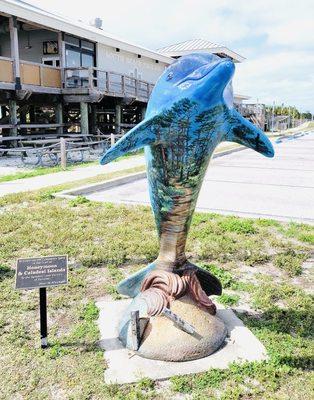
pixel 53 151
pixel 45 150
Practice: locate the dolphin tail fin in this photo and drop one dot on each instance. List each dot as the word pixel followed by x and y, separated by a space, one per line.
pixel 141 135
pixel 244 132
pixel 131 286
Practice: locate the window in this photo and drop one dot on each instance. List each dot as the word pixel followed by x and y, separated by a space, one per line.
pixel 87 60
pixel 72 40
pixel 73 58
pixel 87 45
pixel 79 53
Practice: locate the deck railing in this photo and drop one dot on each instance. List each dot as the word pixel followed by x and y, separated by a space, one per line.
pixel 6 70
pixel 111 83
pixel 36 74
pixel 46 76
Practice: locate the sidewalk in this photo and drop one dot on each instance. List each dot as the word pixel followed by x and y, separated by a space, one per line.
pixel 79 173
pixel 58 178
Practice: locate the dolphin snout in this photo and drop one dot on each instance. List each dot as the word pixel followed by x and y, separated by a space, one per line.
pixel 206 69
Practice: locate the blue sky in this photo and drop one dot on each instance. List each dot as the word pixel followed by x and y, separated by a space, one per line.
pixel 276 37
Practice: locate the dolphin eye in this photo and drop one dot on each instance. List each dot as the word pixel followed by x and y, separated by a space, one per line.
pixel 169 76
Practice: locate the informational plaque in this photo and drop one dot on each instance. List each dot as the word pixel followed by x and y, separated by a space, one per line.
pixel 41 272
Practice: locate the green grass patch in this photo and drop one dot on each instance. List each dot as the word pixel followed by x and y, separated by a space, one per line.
pixel 79 200
pixel 48 193
pixel 39 171
pixel 290 261
pixel 229 299
pixel 302 232
pixel 105 243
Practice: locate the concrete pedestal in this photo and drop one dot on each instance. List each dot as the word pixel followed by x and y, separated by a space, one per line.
pixel 125 366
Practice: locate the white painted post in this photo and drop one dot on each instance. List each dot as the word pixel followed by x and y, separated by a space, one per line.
pixel 63 153
pixel 112 139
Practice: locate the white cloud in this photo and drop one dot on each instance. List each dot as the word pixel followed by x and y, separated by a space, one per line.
pixel 284 77
pixel 298 33
pixel 280 67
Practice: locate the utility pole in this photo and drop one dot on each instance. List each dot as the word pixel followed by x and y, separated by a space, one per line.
pixel 273 117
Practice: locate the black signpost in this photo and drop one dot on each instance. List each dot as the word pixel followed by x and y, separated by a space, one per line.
pixel 42 272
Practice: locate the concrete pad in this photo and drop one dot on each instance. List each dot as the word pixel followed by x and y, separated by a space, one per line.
pixel 124 366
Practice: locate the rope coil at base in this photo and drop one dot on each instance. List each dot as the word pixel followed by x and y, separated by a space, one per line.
pixel 159 288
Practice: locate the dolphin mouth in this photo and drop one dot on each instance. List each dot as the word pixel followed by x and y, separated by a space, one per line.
pixel 204 70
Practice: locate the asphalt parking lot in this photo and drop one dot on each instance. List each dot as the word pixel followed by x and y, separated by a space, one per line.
pixel 247 184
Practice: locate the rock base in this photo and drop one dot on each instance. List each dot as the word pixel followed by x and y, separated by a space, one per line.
pixel 163 340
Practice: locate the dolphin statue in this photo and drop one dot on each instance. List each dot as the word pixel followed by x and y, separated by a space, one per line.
pixel 189 113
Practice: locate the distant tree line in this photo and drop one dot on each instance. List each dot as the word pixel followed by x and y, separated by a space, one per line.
pixel 288 110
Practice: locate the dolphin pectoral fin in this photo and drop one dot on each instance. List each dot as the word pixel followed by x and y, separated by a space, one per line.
pixel 244 132
pixel 141 135
pixel 131 285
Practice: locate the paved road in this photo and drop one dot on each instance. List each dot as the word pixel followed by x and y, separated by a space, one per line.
pixel 248 184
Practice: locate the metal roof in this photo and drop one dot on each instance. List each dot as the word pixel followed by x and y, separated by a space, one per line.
pixel 179 49
pixel 188 45
pixel 32 13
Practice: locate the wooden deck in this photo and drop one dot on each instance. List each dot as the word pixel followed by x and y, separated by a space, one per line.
pixel 93 80
pixel 90 82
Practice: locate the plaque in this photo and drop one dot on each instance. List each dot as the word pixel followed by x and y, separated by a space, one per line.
pixel 41 272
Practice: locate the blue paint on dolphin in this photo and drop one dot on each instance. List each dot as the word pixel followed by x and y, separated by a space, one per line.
pixel 189 113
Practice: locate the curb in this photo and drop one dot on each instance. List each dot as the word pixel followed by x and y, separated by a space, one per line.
pixel 88 189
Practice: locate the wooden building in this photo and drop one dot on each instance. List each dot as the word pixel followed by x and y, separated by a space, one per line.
pixel 59 74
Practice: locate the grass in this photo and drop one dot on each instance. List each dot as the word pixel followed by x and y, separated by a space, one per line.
pixel 254 259
pixel 48 193
pixel 290 261
pixel 38 171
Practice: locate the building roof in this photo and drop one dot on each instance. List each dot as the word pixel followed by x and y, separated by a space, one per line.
pixel 179 49
pixel 31 13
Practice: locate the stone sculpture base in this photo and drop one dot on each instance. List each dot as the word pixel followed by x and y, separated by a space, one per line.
pixel 162 340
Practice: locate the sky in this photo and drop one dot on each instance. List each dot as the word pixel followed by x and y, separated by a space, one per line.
pixel 275 36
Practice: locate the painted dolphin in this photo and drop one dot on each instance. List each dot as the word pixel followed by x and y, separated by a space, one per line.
pixel 189 113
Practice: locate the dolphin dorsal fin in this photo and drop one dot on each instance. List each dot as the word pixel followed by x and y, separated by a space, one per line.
pixel 141 135
pixel 242 131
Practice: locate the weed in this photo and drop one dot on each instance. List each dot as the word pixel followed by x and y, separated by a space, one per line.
pixel 229 299
pixel 78 200
pixel 290 261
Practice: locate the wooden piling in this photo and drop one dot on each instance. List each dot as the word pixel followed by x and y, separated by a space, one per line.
pixel 59 116
pixel 118 119
pixel 84 118
pixel 13 116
